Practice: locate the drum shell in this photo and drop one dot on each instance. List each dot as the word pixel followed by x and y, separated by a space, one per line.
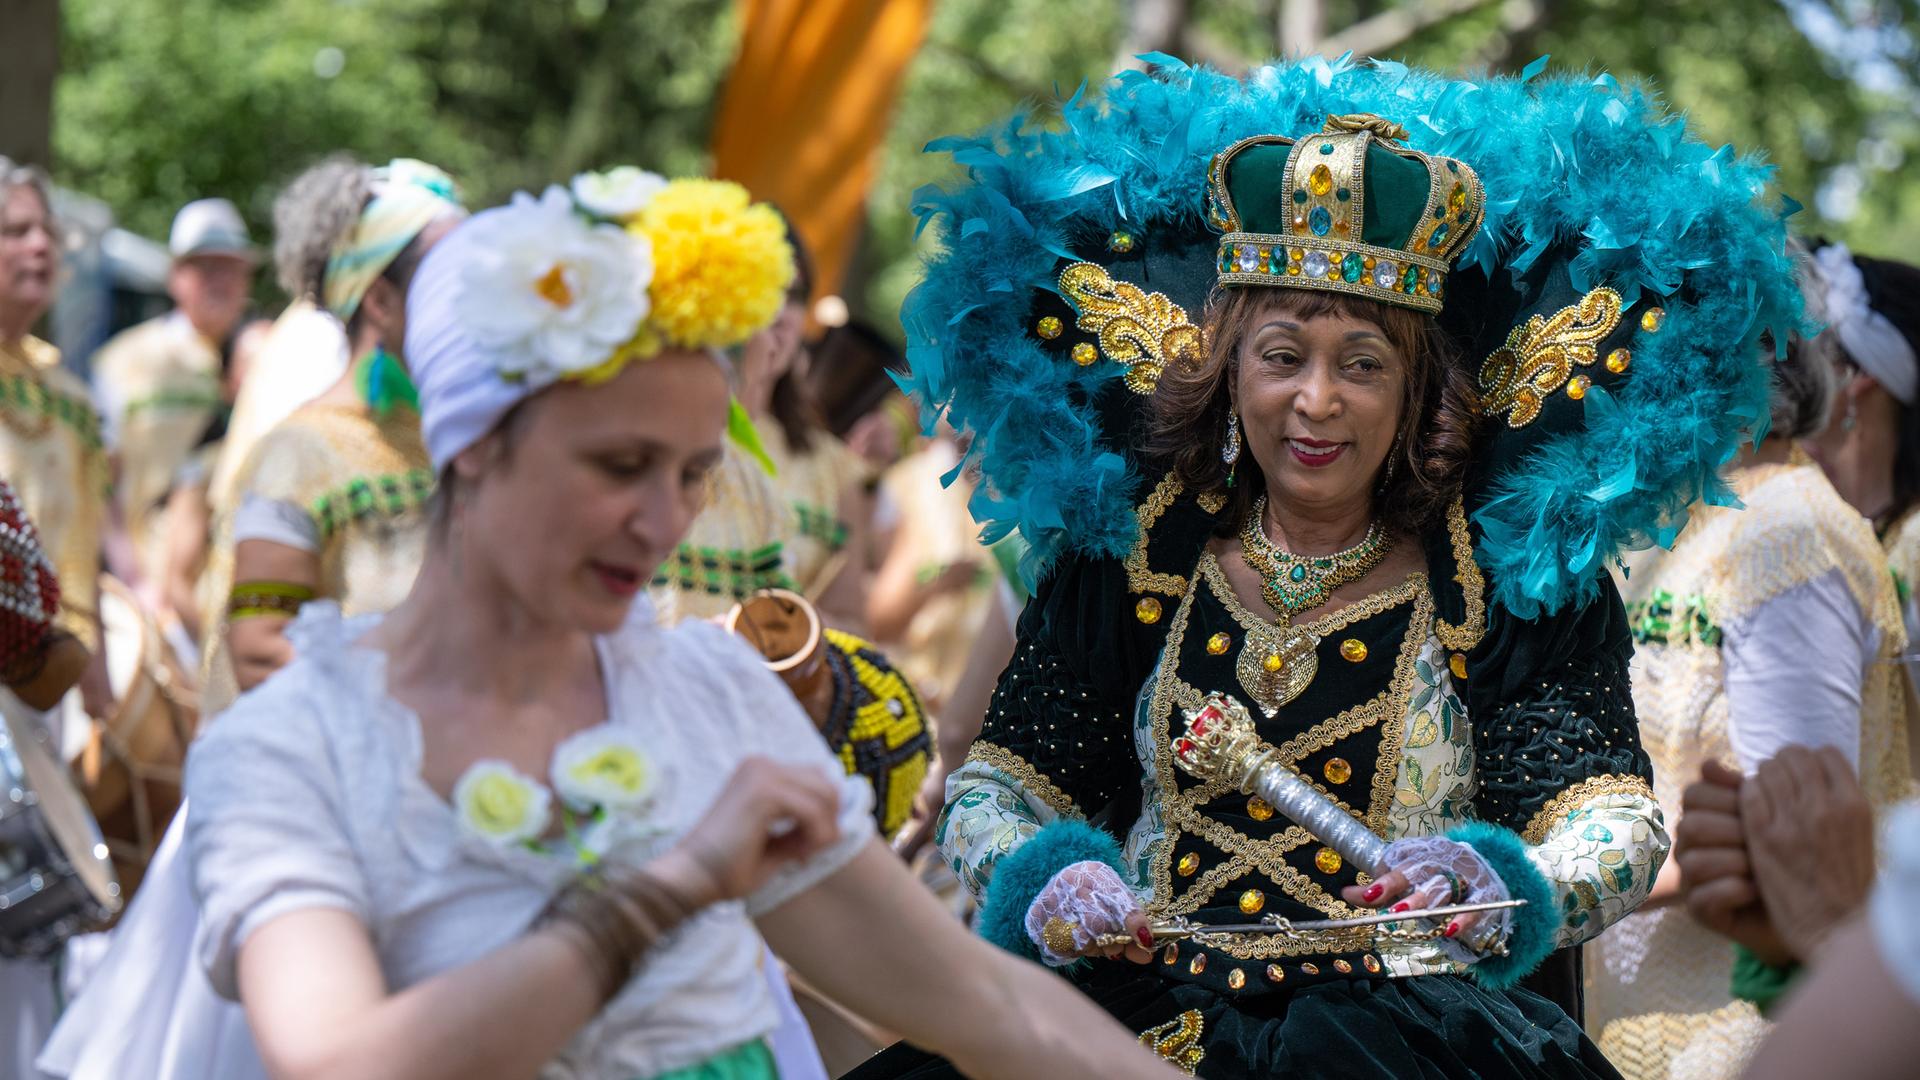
pixel 55 878
pixel 131 768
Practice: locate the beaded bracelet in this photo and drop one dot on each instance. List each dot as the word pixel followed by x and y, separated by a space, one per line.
pixel 613 917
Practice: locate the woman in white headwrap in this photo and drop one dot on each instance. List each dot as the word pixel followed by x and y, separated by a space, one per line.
pixel 516 827
pixel 1871 450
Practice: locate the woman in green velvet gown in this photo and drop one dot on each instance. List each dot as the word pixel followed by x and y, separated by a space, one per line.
pixel 1359 506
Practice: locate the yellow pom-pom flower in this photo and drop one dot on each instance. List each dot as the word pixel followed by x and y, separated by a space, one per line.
pixel 722 265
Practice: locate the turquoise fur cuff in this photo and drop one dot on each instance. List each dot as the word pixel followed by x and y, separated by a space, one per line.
pixel 1019 877
pixel 1535 925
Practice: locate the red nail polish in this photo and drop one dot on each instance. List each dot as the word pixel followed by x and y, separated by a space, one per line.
pixel 1373 893
pixel 1146 938
pixel 1402 906
pixel 1453 928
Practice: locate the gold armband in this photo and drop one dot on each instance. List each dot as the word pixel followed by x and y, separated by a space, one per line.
pixel 253 598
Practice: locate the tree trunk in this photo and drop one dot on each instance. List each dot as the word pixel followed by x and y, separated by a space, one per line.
pixel 1303 23
pixel 28 62
pixel 1153 26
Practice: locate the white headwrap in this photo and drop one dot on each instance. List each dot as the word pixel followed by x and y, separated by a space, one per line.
pixel 513 300
pixel 1871 341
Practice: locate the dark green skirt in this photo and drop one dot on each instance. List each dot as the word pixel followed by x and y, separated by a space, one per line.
pixel 1426 1026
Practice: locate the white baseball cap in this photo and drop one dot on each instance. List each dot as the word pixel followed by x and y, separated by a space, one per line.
pixel 210 227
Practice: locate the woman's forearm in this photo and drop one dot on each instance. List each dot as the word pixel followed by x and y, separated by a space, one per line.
pixel 504 1015
pixel 918 972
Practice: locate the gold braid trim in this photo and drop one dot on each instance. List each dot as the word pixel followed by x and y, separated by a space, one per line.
pixel 1473 585
pixel 1557 808
pixel 999 757
pixel 1140 579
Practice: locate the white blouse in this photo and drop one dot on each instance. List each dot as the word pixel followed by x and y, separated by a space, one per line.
pixel 308 794
pixel 1890 907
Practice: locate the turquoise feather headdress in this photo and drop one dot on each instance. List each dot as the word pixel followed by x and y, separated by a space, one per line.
pixel 1657 258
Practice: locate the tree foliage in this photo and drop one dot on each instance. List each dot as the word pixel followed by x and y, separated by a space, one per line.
pixel 162 101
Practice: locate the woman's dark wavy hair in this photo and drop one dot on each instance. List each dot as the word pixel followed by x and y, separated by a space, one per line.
pixel 1187 425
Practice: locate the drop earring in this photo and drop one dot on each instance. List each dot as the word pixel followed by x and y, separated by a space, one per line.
pixel 1852 418
pixel 1230 451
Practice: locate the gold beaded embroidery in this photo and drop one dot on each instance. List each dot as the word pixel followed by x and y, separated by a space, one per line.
pixel 1179 1040
pixel 1145 331
pixel 1029 778
pixel 1473 585
pixel 1557 808
pixel 1540 355
pixel 1140 579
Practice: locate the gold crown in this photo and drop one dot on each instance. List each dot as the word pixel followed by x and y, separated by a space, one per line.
pixel 1348 210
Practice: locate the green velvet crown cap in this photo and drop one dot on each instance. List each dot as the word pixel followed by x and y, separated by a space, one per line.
pixel 1347 210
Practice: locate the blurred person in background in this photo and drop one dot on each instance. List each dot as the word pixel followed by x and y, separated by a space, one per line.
pixel 185 530
pixel 161 385
pixel 332 501
pixel 814 471
pixel 1764 627
pixel 51 455
pixel 333 506
pixel 1782 862
pixel 1871 448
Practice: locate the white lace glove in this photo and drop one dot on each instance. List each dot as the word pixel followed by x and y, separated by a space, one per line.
pixel 1440 871
pixel 1090 899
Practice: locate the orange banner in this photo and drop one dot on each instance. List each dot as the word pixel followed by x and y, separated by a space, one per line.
pixel 806 106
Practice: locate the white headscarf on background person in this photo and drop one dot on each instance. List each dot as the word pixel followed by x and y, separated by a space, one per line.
pixel 1871 341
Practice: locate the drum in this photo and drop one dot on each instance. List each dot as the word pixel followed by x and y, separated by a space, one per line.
pixel 131 767
pixel 866 710
pixel 56 879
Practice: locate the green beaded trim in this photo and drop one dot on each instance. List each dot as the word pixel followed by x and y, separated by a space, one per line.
pixel 25 393
pixel 1666 619
pixel 388 495
pixel 253 598
pixel 176 399
pixel 738 574
pixel 822 525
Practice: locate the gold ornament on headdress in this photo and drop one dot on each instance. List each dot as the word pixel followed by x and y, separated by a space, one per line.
pixel 1146 331
pixel 1541 353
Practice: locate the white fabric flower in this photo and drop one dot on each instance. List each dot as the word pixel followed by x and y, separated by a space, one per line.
pixel 604 767
pixel 550 294
pixel 501 805
pixel 619 193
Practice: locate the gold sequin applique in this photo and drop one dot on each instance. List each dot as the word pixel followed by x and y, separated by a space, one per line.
pixel 1540 355
pixel 1145 331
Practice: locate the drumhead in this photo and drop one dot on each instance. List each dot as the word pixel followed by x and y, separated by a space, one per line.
pixel 61 807
pixel 124 627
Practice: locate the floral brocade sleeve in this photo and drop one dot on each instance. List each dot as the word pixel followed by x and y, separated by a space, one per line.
pixel 1560 764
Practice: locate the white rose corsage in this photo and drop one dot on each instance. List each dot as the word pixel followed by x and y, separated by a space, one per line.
pixel 502 805
pixel 552 293
pixel 604 768
pixel 607 784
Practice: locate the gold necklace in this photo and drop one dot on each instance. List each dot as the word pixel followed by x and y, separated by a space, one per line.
pixel 1278 662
